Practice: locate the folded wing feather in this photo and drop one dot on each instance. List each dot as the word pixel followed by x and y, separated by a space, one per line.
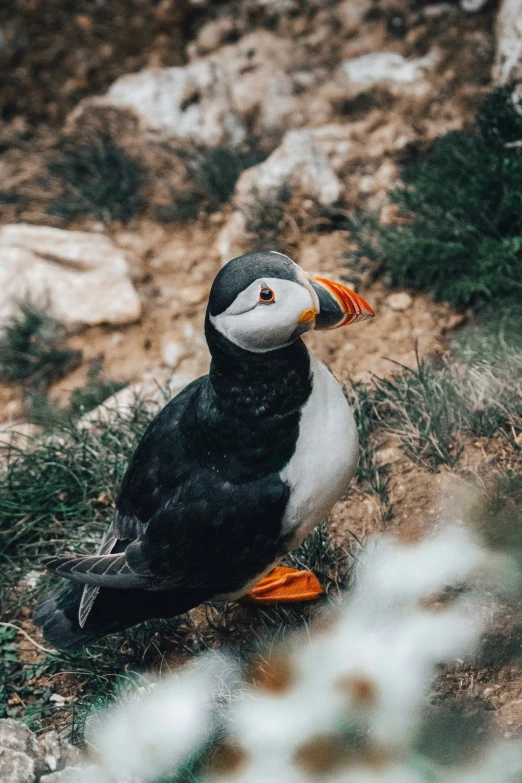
pixel 97 570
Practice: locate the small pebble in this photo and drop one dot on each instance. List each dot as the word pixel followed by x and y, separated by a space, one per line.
pixel 171 353
pixel 217 217
pixel 193 294
pixel 399 301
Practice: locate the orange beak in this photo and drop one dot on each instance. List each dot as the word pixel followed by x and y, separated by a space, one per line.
pixel 337 304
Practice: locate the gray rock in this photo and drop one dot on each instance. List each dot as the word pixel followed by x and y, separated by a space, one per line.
pixel 213 100
pixel 190 102
pixel 472 6
pixel 508 61
pixel 385 67
pixel 83 276
pixel 55 753
pixel 297 164
pixel 16 767
pixel 260 74
pixel 15 735
pixel 172 353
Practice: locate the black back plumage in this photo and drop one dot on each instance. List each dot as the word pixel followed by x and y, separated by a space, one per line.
pixel 205 479
pixel 200 509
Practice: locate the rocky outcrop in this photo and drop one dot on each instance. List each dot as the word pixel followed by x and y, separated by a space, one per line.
pixel 24 759
pixel 252 86
pixel 262 71
pixel 508 60
pixel 192 102
pixel 385 68
pixel 297 165
pixel 82 277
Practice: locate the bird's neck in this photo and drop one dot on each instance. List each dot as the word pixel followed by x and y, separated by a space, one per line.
pixel 272 383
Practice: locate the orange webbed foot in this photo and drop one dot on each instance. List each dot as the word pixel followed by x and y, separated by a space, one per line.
pixel 285 585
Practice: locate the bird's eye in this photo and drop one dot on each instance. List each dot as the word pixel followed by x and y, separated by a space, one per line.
pixel 266 295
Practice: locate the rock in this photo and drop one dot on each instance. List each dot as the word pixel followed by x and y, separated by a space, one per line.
pixel 234 238
pixel 193 294
pixel 192 102
pixel 379 67
pixel 387 456
pixel 155 390
pixel 54 752
pixel 272 7
pixel 83 276
pixel 336 141
pixel 298 164
pixel 508 60
pixel 18 751
pixel 256 86
pixel 212 35
pixel 472 6
pixel 260 72
pixel 15 735
pixel 351 13
pixel 16 767
pixel 172 353
pixel 399 301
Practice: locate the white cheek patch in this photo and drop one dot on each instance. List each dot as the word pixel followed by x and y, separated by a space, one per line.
pixel 259 327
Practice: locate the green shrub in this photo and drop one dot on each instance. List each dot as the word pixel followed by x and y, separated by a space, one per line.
pixel 265 217
pixel 97 179
pixel 33 350
pixel 461 238
pixel 218 169
pixel 214 172
pixel 96 390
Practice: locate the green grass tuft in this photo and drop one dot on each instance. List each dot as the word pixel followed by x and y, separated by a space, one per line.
pixel 33 351
pixel 218 169
pixel 214 172
pixel 264 218
pixel 96 390
pixel 432 408
pixel 97 179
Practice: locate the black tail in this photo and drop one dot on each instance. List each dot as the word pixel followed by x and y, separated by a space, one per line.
pixel 112 611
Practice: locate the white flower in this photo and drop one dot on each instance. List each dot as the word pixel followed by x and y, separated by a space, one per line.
pixel 502 763
pixel 395 575
pixel 150 736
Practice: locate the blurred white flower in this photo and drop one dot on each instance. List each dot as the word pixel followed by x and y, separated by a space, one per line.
pixel 148 737
pixel 392 575
pixel 501 764
pixel 342 704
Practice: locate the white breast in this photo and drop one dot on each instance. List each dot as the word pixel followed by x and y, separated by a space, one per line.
pixel 325 457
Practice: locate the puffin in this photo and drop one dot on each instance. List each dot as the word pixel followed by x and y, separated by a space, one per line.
pixel 233 473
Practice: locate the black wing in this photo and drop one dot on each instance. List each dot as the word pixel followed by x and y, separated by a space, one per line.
pixel 197 507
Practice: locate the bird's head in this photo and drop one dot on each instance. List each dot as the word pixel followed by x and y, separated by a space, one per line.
pixel 263 301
